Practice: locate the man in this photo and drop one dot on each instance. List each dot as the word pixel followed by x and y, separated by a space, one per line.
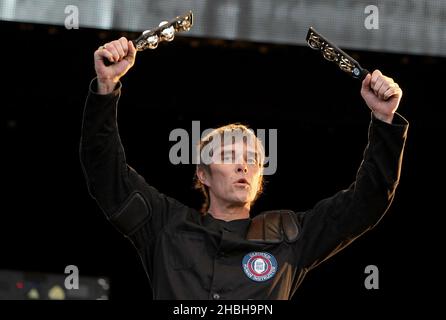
pixel 222 253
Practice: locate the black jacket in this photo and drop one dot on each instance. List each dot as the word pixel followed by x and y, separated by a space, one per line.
pixel 191 256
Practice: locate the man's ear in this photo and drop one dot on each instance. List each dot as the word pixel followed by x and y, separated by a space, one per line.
pixel 202 176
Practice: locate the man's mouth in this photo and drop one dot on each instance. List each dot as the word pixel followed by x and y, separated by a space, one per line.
pixel 242 181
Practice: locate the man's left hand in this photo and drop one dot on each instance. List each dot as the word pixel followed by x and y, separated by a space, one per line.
pixel 382 95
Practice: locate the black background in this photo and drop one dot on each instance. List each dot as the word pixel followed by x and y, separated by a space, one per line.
pixel 48 220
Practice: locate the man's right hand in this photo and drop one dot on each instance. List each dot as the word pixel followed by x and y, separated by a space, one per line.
pixel 121 54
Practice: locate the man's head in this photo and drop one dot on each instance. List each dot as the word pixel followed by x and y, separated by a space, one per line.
pixel 230 168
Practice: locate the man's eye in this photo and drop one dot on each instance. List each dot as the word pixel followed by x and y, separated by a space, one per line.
pixel 252 160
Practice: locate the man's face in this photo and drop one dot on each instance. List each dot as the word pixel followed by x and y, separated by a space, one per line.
pixel 235 174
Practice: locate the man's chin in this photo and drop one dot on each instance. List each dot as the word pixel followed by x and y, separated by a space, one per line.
pixel 242 201
pixel 242 198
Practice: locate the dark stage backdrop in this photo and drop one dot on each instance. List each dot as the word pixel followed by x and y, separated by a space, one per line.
pixel 49 220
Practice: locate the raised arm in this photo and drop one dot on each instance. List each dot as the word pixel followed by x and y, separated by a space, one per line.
pixel 123 195
pixel 335 222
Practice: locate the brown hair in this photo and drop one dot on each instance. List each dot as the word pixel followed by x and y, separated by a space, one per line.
pixel 219 132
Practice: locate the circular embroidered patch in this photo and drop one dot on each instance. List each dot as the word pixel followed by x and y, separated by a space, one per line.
pixel 259 266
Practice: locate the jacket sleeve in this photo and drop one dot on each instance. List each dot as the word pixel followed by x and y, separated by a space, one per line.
pixel 122 194
pixel 335 222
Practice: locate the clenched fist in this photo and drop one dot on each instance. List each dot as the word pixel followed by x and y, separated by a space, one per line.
pixel 121 54
pixel 382 95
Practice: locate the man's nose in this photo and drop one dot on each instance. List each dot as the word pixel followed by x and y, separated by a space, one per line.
pixel 242 167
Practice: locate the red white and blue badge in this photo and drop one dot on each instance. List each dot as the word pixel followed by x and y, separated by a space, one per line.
pixel 259 266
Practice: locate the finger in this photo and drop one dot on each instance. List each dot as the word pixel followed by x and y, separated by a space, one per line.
pixel 384 88
pixel 391 92
pixel 132 49
pixel 119 49
pixel 378 84
pixel 110 47
pixel 389 80
pixel 124 45
pixel 101 54
pixel 131 54
pixel 387 83
pixel 375 76
pixel 366 82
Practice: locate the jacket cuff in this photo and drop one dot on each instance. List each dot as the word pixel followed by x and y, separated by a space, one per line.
pixel 398 121
pixel 93 88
